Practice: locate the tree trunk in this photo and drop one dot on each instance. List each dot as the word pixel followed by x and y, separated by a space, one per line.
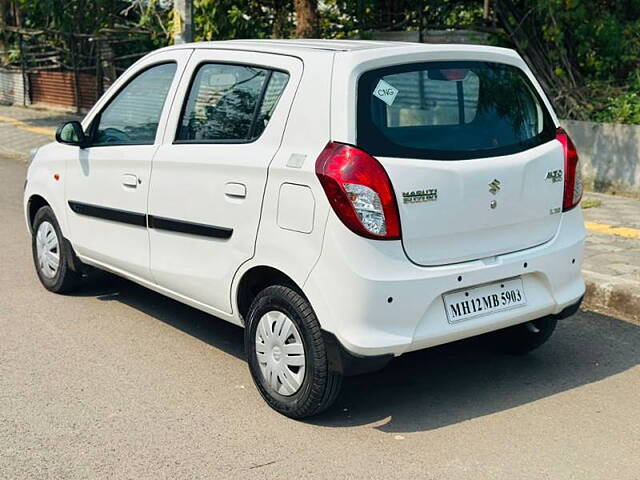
pixel 280 19
pixel 14 11
pixel 307 18
pixel 4 10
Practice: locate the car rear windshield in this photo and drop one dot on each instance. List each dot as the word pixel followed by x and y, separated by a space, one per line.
pixel 450 111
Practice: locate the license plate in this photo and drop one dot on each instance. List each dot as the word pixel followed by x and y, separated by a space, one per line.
pixel 483 300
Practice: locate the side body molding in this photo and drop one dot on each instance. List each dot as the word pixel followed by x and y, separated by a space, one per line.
pixel 150 221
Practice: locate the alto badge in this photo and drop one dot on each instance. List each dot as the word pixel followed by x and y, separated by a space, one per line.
pixel 554 175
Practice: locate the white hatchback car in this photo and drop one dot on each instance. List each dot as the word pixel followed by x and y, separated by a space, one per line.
pixel 344 201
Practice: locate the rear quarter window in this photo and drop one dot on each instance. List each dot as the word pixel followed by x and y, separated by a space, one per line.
pixel 449 111
pixel 229 103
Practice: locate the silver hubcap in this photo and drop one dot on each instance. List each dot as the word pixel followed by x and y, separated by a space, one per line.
pixel 280 353
pixel 48 250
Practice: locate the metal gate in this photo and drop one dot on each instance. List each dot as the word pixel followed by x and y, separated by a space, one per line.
pixel 66 71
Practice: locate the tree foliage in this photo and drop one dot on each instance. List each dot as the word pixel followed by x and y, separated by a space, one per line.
pixel 585 52
pixel 79 16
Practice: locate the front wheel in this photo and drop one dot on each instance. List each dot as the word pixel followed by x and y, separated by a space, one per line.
pixel 52 260
pixel 286 354
pixel 523 338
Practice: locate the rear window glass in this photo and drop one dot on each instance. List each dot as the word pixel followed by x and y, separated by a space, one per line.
pixel 449 111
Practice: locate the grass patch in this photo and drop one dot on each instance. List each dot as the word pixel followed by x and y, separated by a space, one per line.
pixel 591 203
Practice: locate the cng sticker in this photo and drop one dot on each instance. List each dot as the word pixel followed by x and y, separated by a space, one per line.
pixel 385 92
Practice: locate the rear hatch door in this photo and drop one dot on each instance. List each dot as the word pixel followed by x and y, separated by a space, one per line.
pixel 470 149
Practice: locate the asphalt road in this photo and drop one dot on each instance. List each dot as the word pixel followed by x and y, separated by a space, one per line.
pixel 119 382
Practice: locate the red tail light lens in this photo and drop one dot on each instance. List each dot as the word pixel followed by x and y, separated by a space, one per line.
pixel 572 178
pixel 359 191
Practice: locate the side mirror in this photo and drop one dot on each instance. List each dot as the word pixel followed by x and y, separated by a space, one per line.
pixel 71 133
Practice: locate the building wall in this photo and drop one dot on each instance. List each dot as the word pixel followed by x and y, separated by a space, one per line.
pixel 57 89
pixel 12 88
pixel 433 36
pixel 609 155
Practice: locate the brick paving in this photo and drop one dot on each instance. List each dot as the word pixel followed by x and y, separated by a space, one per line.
pixel 610 254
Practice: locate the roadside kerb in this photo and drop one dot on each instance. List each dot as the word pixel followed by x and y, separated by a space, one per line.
pixel 619 297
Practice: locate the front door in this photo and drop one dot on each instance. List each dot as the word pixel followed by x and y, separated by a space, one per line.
pixel 107 183
pixel 209 175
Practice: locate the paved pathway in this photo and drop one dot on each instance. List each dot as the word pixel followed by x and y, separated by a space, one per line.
pixel 611 266
pixel 613 244
pixel 22 129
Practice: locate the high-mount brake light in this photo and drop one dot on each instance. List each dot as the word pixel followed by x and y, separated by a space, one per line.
pixel 454 74
pixel 573 186
pixel 359 191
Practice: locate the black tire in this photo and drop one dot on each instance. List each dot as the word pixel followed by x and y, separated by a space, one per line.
pixel 65 279
pixel 523 338
pixel 320 387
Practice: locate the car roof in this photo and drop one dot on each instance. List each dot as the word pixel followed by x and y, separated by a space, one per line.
pixel 297 44
pixel 357 48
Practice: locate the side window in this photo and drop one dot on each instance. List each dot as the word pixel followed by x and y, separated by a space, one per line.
pixel 132 116
pixel 271 96
pixel 229 103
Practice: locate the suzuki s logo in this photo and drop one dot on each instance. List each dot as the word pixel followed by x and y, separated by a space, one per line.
pixel 494 186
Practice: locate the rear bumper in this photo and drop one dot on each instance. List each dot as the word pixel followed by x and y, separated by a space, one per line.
pixel 569 311
pixel 377 303
pixel 346 363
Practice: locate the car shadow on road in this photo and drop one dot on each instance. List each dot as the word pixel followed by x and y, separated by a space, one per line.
pixel 215 332
pixel 453 383
pixel 432 388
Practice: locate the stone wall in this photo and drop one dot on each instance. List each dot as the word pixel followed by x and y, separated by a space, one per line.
pixel 609 155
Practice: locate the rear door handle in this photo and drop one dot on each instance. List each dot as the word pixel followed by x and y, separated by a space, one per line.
pixel 129 180
pixel 235 190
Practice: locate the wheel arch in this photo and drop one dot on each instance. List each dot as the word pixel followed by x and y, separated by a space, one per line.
pixel 35 203
pixel 256 279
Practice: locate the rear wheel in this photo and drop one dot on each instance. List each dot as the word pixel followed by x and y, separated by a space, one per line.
pixel 286 354
pixel 523 338
pixel 51 255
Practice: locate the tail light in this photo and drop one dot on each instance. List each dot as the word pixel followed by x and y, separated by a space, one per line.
pixel 572 178
pixel 359 191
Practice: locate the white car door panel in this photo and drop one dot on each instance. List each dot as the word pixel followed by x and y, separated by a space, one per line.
pixel 210 173
pixel 107 183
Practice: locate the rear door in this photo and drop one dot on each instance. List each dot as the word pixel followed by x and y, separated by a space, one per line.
pixel 469 147
pixel 210 173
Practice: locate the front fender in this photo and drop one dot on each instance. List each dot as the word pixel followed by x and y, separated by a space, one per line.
pixel 46 179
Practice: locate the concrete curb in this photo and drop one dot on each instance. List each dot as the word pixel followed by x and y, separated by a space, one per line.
pixel 612 295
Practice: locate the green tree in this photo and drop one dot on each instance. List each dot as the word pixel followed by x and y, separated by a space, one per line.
pixel 586 53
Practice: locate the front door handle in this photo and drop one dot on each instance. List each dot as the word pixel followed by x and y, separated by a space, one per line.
pixel 129 180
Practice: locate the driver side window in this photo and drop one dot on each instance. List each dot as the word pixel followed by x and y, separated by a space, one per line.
pixel 132 116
